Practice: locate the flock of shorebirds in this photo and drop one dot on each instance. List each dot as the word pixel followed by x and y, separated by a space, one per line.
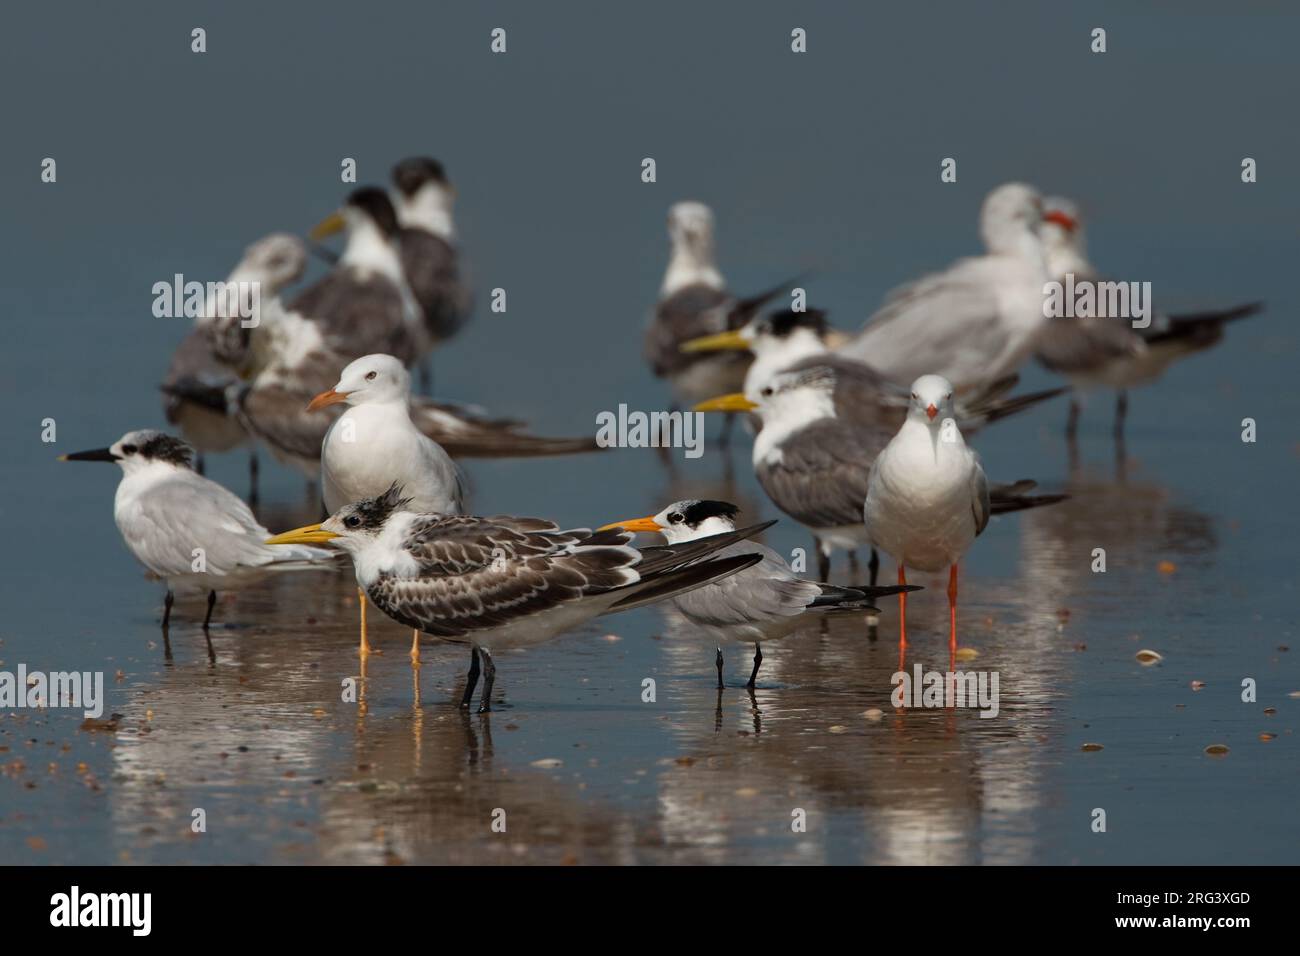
pixel 841 443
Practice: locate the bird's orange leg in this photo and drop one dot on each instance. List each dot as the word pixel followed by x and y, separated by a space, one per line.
pixel 902 609
pixel 952 612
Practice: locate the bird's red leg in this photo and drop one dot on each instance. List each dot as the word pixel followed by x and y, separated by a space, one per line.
pixel 952 613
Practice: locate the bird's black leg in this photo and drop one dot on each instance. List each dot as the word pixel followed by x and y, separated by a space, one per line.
pixel 199 464
pixel 853 565
pixel 471 679
pixel 758 660
pixel 167 616
pixel 426 375
pixel 1121 412
pixel 1072 423
pixel 823 560
pixel 873 566
pixel 207 619
pixel 719 663
pixel 724 437
pixel 489 675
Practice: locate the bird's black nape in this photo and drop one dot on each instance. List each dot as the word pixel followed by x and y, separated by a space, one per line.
pixel 410 174
pixel 374 512
pixel 376 204
pixel 786 321
pixel 161 447
pixel 698 511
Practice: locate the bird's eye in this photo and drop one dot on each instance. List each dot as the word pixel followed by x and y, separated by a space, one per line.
pixel 352 521
pixel 767 391
pixel 914 396
pixel 370 376
pixel 675 518
pixel 948 397
pixel 129 449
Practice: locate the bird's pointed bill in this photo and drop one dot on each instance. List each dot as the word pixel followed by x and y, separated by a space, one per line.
pixel 735 402
pixel 97 454
pixel 636 524
pixel 723 341
pixel 328 226
pixel 329 397
pixel 308 534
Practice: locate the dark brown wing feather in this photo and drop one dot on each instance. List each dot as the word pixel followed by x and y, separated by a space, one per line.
pixel 358 316
pixel 433 272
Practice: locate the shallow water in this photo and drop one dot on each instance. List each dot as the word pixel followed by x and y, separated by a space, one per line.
pixel 585 770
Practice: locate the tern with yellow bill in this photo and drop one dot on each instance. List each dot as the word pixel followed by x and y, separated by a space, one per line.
pixel 504 581
pixel 758 604
pixel 364 304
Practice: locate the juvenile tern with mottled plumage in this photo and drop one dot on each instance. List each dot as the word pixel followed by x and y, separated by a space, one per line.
pixel 504 581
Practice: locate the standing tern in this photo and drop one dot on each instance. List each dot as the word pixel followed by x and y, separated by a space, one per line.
pixel 776 340
pixel 693 302
pixel 761 603
pixel 506 581
pixel 979 319
pixel 184 528
pixel 928 498
pixel 375 444
pixel 1099 350
pixel 424 200
pixel 363 304
pixel 821 424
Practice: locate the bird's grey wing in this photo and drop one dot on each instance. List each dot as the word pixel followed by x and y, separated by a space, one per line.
pixel 278 416
pixel 1078 344
pixel 358 316
pixel 432 272
pixel 479 573
pixel 189 512
pixel 979 498
pixel 466 433
pixel 688 313
pixel 821 477
pixel 767 590
pixel 921 324
pixel 861 393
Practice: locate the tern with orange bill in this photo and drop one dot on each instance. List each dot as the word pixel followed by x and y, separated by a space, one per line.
pixel 756 605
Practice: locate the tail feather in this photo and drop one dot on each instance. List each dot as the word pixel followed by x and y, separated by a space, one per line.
pixel 1200 328
pixel 190 390
pixel 1006 503
pixel 858 595
pixel 990 407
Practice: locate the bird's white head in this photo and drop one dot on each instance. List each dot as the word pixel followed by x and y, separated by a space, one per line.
pixel 1010 218
pixel 931 400
pixel 275 261
pixel 1062 229
pixel 140 449
pixel 686 520
pixel 354 527
pixel 369 380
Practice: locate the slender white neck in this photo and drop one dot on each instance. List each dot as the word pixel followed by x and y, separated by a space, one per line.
pixel 368 250
pixel 686 267
pixel 429 209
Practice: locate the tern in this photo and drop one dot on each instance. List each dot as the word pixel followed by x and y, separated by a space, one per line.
pixel 375 444
pixel 758 604
pixel 1099 350
pixel 363 304
pixel 186 529
pixel 204 356
pixel 424 199
pixel 505 581
pixel 928 498
pixel 978 320
pixel 776 340
pixel 821 424
pixel 693 302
